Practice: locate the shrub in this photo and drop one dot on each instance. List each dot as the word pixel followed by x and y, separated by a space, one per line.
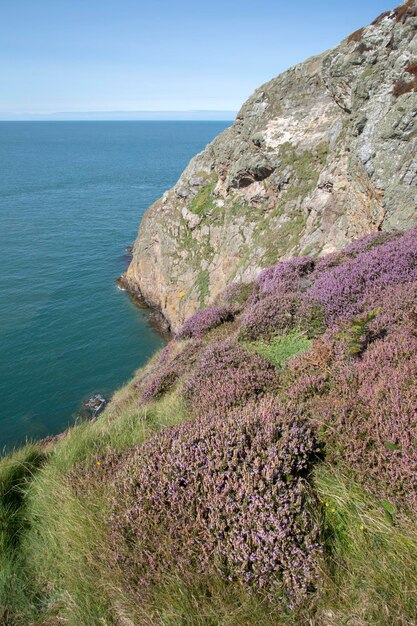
pixel 401 13
pixel 287 276
pixel 342 290
pixel 367 242
pixel 203 321
pixel 360 245
pixel 405 11
pixel 377 417
pixel 226 494
pixel 228 375
pixel 236 295
pixel 172 365
pixel 355 36
pixel 281 313
pixel 160 383
pixel 397 306
pixel 412 68
pixel 366 408
pixel 357 334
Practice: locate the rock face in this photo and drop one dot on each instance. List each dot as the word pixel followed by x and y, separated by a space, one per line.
pixel 318 156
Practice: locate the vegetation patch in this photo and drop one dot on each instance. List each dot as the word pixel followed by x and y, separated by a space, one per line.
pixel 204 320
pixel 402 86
pixel 355 36
pixel 370 572
pixel 203 282
pixel 203 202
pixel 282 347
pixel 243 514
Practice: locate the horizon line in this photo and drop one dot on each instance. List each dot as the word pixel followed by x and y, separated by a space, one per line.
pixel 120 115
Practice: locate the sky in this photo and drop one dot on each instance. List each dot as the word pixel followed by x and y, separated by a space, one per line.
pixel 159 55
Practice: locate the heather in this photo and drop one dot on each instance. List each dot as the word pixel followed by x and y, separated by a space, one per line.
pixel 259 471
pixel 366 409
pixel 228 492
pixel 203 321
pixel 281 313
pixel 173 363
pixel 342 290
pixel 235 296
pixel 227 375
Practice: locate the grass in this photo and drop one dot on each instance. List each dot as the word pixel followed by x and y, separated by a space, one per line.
pixel 203 201
pixel 54 559
pixel 56 565
pixel 282 347
pixel 16 473
pixel 371 574
pixel 203 282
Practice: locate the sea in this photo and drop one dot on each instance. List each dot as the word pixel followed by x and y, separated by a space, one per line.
pixel 72 195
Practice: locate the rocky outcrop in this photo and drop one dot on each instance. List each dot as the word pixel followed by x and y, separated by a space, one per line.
pixel 316 157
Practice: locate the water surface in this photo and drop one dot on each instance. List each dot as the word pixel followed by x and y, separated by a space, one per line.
pixel 71 198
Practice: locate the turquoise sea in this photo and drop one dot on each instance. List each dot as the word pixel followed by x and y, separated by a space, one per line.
pixel 71 197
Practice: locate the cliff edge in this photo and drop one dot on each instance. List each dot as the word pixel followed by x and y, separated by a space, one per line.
pixel 318 156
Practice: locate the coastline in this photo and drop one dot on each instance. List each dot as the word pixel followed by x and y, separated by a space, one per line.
pixel 156 318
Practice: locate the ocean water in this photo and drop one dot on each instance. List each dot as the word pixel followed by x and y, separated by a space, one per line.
pixel 71 197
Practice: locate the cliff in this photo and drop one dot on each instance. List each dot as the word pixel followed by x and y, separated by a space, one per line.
pixel 318 156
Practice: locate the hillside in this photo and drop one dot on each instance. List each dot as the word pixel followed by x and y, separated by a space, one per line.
pixel 318 156
pixel 261 469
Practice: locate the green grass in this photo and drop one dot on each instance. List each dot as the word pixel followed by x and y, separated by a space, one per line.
pixel 282 347
pixel 203 201
pixel 371 571
pixel 54 557
pixel 56 564
pixel 203 282
pixel 16 474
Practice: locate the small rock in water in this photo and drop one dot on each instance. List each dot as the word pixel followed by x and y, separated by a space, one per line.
pixel 95 404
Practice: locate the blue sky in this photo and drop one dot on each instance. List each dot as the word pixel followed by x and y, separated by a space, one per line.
pixel 111 55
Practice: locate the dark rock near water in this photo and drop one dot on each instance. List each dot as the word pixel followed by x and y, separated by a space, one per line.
pixel 95 405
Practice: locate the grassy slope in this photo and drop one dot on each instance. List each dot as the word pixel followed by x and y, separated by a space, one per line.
pixel 55 569
pixel 56 565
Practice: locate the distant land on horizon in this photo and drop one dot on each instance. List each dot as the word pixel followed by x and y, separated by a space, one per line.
pixel 193 115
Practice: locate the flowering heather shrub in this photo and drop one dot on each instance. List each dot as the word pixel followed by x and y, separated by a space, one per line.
pixel 166 353
pixel 286 276
pixel 280 313
pixel 398 307
pixel 227 493
pixel 367 242
pixel 376 420
pixel 272 315
pixel 363 244
pixel 278 303
pixel 228 375
pixel 160 383
pixel 172 365
pixel 203 321
pixel 343 289
pixel 366 408
pixel 236 295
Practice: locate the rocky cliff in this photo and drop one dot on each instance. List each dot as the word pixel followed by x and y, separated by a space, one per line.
pixel 321 154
